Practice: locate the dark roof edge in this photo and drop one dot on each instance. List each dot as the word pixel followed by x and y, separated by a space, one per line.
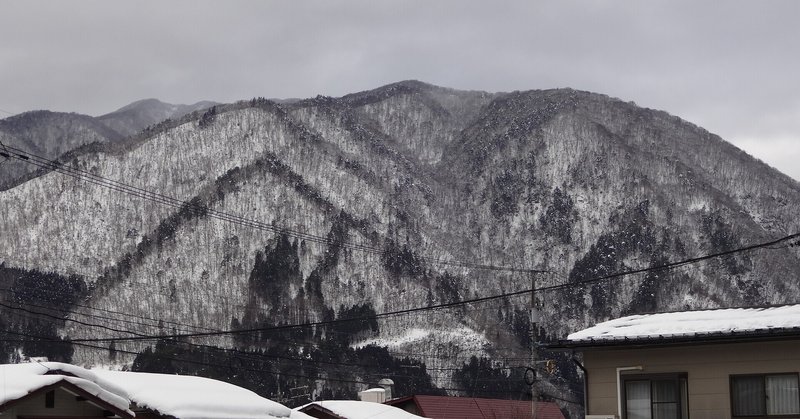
pixel 314 406
pixel 763 335
pixel 73 388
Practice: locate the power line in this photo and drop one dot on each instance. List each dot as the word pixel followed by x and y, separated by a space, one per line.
pixel 106 327
pixel 199 209
pixel 154 325
pixel 85 345
pixel 672 265
pixel 81 342
pixel 662 267
pixel 217 348
pixel 52 293
pixel 209 364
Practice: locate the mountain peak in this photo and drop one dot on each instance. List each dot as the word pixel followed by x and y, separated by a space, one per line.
pixel 134 117
pixel 150 102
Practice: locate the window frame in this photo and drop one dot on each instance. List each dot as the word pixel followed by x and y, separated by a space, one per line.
pixel 763 377
pixel 676 376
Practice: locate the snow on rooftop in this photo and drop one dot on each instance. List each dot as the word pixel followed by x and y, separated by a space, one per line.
pixel 188 397
pixel 352 409
pixel 690 323
pixel 296 414
pixel 19 380
pixel 180 396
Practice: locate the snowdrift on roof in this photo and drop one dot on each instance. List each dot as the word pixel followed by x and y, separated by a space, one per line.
pixel 691 323
pixel 189 397
pixel 19 380
pixel 180 396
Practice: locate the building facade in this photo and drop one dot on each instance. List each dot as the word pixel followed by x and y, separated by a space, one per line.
pixel 734 363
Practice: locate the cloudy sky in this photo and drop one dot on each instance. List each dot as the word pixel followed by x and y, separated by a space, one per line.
pixel 730 67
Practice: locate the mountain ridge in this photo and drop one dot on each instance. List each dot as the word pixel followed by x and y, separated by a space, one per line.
pixel 572 182
pixel 136 116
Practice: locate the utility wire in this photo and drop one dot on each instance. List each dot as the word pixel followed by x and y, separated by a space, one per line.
pixel 80 342
pixel 127 315
pixel 671 265
pixel 196 208
pixel 217 348
pixel 623 274
pixel 209 364
pixel 155 325
pixel 106 327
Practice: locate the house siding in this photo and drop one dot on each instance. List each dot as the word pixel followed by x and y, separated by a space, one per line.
pixel 708 369
pixel 65 405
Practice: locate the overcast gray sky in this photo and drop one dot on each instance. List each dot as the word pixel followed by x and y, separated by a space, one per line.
pixel 731 67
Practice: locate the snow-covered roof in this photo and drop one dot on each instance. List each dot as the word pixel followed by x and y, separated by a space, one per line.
pixel 180 396
pixel 352 409
pixel 187 397
pixel 687 324
pixel 19 380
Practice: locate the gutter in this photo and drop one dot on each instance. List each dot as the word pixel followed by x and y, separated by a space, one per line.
pixel 679 340
pixel 585 385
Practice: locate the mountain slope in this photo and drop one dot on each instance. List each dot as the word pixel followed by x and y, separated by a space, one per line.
pixel 321 208
pixel 133 118
pixel 48 134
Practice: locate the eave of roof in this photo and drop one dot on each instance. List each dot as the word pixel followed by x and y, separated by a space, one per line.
pixel 72 388
pixel 759 335
pixel 311 407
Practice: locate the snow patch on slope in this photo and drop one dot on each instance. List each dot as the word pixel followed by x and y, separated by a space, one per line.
pixel 467 338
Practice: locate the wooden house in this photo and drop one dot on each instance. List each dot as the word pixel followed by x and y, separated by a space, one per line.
pixel 723 363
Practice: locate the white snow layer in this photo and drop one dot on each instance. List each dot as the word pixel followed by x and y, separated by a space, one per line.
pixel 19 380
pixel 188 397
pixel 690 323
pixel 296 414
pixel 351 409
pixel 181 396
pixel 466 338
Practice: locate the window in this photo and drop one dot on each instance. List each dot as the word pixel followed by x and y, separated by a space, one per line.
pixel 50 399
pixel 765 395
pixel 657 396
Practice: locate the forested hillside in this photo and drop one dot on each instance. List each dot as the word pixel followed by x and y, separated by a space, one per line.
pixel 333 208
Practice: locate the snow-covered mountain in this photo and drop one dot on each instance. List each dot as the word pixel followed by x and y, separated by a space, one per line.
pixel 131 119
pixel 399 178
pixel 48 134
pixel 54 134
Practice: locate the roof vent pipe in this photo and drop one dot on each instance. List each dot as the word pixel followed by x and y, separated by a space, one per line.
pixel 387 384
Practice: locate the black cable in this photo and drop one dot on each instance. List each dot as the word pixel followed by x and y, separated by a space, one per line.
pixel 155 324
pixel 43 162
pixel 463 302
pixel 106 349
pixel 672 265
pixel 217 348
pixel 230 366
pixel 295 342
pixel 195 344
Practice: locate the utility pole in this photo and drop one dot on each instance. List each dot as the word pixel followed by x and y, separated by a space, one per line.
pixel 534 343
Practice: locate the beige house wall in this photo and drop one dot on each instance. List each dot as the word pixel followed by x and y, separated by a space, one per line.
pixel 708 368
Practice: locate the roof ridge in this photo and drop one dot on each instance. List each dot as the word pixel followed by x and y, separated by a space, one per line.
pixel 758 306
